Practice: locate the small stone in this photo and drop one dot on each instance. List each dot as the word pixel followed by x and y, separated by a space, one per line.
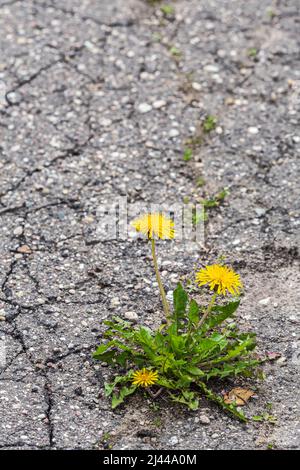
pixel 260 212
pixel 24 249
pixel 253 130
pixel 115 301
pixel 13 97
pixel 203 419
pixel 281 360
pixel 18 231
pixel 174 133
pixel 196 86
pixel 170 295
pixel 265 301
pixel 211 68
pixel 229 101
pixel 89 219
pixel 131 316
pixel 2 318
pixel 296 139
pixel 173 440
pixel 105 122
pixel 54 142
pixel 159 104
pixel 144 108
pixel 195 40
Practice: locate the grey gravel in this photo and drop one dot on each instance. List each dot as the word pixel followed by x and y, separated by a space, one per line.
pixel 94 105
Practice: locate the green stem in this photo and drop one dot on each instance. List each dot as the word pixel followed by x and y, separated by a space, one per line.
pixel 160 284
pixel 209 309
pixel 230 408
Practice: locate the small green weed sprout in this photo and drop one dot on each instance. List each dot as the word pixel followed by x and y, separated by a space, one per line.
pixel 216 200
pixel 209 123
pixel 192 349
pixel 175 51
pixel 252 52
pixel 167 10
pixel 188 154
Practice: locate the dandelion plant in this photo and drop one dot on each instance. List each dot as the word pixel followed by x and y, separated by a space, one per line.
pixel 192 349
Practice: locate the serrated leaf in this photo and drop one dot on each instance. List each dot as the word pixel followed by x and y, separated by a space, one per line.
pixel 193 312
pixel 119 398
pixel 107 356
pixel 180 299
pixel 101 349
pixel 220 314
pixel 186 398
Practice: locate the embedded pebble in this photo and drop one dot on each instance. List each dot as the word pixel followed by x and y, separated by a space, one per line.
pixel 265 301
pixel 159 104
pixel 173 441
pixel 174 133
pixel 203 419
pixel 18 231
pixel 144 108
pixel 133 316
pixel 253 130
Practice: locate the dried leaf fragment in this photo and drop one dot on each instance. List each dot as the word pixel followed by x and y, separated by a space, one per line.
pixel 238 395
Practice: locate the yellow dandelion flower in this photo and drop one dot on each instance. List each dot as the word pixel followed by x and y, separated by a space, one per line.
pixel 155 225
pixel 220 279
pixel 144 377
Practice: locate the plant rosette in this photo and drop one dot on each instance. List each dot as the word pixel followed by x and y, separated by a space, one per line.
pixel 195 347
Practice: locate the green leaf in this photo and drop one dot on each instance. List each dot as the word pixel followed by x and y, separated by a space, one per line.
pixel 108 356
pixel 160 341
pixel 193 312
pixel 222 313
pixel 186 398
pixel 124 392
pixel 109 387
pixel 144 335
pixel 257 418
pixel 167 9
pixel 145 339
pixel 123 357
pixel 236 368
pixel 177 344
pixel 101 349
pixel 208 347
pixel 164 382
pixel 188 154
pixel 180 301
pixel 235 351
pixel 209 123
pixel 195 371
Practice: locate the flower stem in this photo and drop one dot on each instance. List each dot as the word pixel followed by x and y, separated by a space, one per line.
pixel 209 309
pixel 160 284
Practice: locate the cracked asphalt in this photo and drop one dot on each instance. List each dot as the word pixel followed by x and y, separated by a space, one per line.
pixel 97 101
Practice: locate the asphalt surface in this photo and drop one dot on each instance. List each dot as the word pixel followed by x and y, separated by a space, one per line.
pixel 97 101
